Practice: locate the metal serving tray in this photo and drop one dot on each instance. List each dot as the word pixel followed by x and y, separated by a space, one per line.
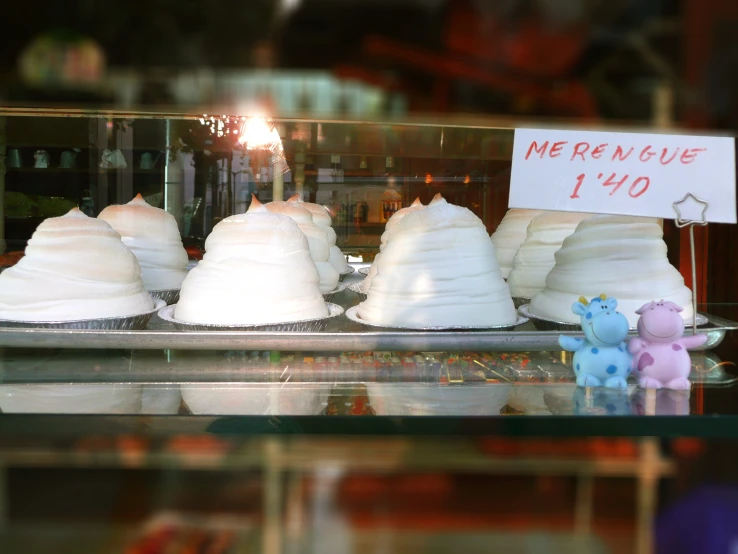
pixel 343 336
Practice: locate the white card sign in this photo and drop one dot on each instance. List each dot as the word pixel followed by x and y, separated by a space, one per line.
pixel 623 173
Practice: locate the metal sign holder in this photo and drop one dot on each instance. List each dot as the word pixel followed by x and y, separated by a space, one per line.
pixel 690 223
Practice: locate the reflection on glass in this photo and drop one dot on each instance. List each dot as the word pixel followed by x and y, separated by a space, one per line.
pixel 71 399
pixel 601 401
pixel 400 399
pixel 256 398
pixel 661 402
pixel 310 383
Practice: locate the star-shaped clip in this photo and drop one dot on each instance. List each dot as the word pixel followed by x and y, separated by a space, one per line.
pixel 690 205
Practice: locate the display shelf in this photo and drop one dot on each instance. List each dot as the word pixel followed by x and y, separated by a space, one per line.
pixel 524 339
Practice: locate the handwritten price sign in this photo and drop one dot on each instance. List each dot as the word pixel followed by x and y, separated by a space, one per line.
pixel 622 173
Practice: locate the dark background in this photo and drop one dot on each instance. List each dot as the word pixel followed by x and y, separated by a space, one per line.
pixel 570 58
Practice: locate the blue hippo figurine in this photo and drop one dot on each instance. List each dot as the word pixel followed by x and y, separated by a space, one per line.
pixel 601 358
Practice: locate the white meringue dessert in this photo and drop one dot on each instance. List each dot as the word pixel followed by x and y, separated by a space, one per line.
pixel 535 257
pixel 75 268
pixel 322 218
pixel 316 237
pixel 620 256
pixel 338 260
pixel 388 227
pixel 153 236
pixel 509 235
pixel 256 270
pixel 438 270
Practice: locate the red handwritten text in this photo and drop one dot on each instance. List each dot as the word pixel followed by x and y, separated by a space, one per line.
pixel 583 151
pixel 638 186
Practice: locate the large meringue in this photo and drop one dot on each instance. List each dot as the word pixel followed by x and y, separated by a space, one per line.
pixel 620 256
pixel 535 257
pixel 75 267
pixel 388 227
pixel 438 269
pixel 509 235
pixel 153 236
pixel 257 269
pixel 317 240
pixel 322 218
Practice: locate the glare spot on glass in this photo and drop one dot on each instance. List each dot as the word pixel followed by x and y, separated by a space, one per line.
pixel 257 134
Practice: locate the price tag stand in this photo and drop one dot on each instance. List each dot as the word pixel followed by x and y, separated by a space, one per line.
pixel 690 223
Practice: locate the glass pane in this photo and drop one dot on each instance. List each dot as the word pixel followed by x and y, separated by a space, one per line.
pixel 201 170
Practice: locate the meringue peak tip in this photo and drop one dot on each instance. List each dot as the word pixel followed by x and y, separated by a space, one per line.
pixel 75 212
pixel 138 200
pixel 256 206
pixel 295 198
pixel 437 198
pixel 417 201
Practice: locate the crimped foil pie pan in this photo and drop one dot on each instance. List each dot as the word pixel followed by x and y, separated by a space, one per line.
pixel 305 326
pixel 128 323
pixel 352 314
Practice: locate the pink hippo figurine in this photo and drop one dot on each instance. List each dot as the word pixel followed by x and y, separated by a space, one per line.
pixel 660 357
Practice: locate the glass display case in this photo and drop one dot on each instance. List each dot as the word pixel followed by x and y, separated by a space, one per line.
pixel 202 169
pixel 270 398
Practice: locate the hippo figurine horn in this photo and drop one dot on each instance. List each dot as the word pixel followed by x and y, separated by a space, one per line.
pixel 660 349
pixel 601 358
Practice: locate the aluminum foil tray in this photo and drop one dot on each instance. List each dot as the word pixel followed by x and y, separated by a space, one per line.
pixel 544 324
pixel 304 326
pixel 341 334
pixel 356 288
pixel 328 296
pixel 170 296
pixel 349 271
pixel 364 271
pixel 352 314
pixel 129 323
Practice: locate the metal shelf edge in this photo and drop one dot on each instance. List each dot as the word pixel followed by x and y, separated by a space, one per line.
pixel 512 341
